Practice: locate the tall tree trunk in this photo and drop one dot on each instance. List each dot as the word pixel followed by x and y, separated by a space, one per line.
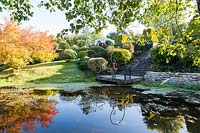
pixel 198 6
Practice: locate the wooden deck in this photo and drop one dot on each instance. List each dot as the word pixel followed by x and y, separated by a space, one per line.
pixel 119 79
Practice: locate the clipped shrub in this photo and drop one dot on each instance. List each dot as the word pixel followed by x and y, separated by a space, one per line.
pixel 63 45
pixel 67 54
pixel 168 54
pixel 110 49
pixel 70 54
pixel 128 46
pixel 61 55
pixel 75 47
pixel 83 63
pixel 84 48
pixel 97 51
pixel 121 56
pixel 109 43
pixel 97 64
pixel 84 66
pixel 82 54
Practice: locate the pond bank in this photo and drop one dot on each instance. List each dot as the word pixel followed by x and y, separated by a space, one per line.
pixel 151 89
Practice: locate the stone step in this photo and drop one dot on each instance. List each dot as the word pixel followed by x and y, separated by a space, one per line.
pixel 139 65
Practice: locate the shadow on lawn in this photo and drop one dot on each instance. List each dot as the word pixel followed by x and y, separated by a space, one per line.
pixel 45 64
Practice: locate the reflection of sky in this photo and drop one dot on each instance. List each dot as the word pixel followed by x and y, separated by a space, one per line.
pixel 70 118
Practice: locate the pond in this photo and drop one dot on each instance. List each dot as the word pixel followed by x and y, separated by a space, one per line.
pixel 97 110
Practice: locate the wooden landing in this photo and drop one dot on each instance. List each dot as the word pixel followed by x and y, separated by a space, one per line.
pixel 119 79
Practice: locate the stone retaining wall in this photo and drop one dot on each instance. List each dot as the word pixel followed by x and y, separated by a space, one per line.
pixel 173 78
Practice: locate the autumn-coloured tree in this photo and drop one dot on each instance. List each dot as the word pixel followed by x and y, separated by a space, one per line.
pixel 39 44
pixel 19 47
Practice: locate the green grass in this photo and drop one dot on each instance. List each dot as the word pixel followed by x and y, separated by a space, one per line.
pixel 156 84
pixel 54 72
pixel 192 86
pixel 167 86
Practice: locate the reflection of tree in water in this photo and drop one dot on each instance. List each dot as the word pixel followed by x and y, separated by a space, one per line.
pixel 161 113
pixel 24 112
pixel 94 99
pixel 164 124
pixel 193 127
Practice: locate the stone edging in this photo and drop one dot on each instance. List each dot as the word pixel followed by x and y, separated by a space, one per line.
pixel 173 78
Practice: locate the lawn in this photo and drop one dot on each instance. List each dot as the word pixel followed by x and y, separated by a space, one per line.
pixel 54 72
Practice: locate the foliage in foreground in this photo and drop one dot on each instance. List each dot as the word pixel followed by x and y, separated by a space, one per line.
pixel 121 13
pixel 19 47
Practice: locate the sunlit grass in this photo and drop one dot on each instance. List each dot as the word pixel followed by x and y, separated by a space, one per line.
pixel 157 84
pixel 54 72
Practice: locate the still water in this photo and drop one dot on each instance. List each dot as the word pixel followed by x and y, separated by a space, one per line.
pixel 96 110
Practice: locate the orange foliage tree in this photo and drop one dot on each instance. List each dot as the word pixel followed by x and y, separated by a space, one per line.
pixel 19 47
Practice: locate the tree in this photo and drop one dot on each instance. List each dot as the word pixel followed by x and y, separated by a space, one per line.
pixel 168 18
pixel 193 28
pixel 19 47
pixel 96 13
pixel 19 9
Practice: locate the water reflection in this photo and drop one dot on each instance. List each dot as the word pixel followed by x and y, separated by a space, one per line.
pixel 103 109
pixel 21 111
pixel 162 114
pixel 165 124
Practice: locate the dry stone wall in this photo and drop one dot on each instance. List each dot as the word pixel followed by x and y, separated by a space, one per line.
pixel 173 78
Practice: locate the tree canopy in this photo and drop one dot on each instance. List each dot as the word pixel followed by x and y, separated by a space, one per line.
pixel 19 9
pixel 98 13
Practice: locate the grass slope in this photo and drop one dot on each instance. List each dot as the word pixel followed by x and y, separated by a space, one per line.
pixel 54 72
